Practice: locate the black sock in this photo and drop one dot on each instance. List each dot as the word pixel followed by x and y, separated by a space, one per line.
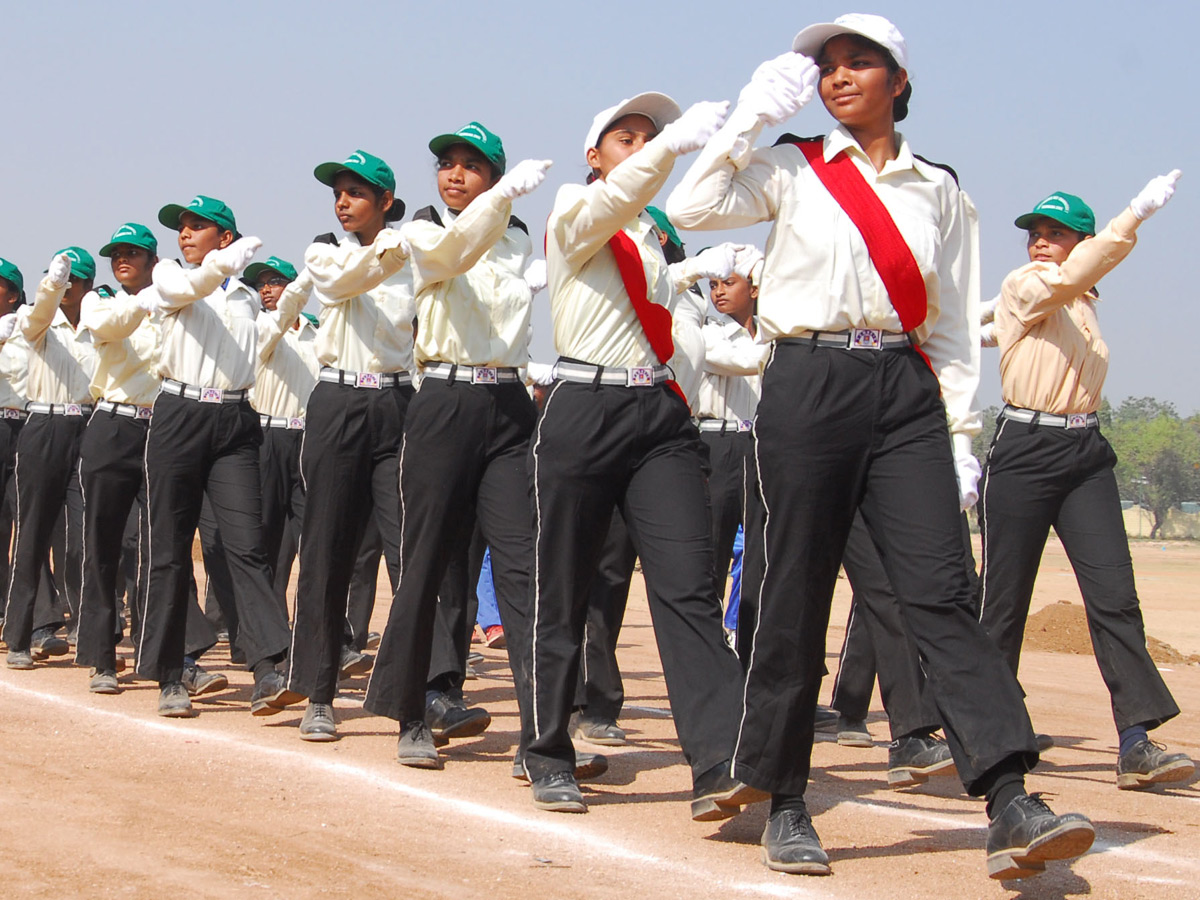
pixel 1003 783
pixel 780 802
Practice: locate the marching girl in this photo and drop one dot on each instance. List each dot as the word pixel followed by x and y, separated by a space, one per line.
pixel 870 301
pixel 1049 465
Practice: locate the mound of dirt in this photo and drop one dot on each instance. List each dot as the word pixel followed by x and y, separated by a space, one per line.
pixel 1062 628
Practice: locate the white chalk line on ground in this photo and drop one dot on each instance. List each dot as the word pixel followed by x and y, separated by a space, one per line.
pixel 593 844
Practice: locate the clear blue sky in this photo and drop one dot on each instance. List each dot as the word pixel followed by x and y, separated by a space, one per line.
pixel 113 110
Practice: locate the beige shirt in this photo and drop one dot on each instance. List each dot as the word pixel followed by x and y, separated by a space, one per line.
pixel 818 275
pixel 127 342
pixel 594 320
pixel 61 357
pixel 367 307
pixel 732 361
pixel 287 357
pixel 14 372
pixel 473 304
pixel 208 330
pixel 1052 357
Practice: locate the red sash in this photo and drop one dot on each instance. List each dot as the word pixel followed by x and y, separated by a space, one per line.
pixel 655 319
pixel 890 253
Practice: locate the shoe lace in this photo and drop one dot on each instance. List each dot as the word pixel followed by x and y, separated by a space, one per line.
pixel 797 821
pixel 418 732
pixel 1039 805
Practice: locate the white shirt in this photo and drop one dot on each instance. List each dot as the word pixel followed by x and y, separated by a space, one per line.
pixel 287 366
pixel 128 342
pixel 14 372
pixel 61 356
pixel 818 275
pixel 732 360
pixel 208 330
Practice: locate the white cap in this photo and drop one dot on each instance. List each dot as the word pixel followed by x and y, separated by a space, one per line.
pixel 658 108
pixel 747 262
pixel 873 28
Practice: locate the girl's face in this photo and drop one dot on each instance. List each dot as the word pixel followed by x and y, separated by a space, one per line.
pixel 734 296
pixel 463 174
pixel 856 85
pixel 9 295
pixel 270 287
pixel 624 137
pixel 132 266
pixel 356 205
pixel 1051 241
pixel 198 237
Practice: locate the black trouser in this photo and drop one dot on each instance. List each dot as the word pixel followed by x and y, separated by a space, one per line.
pixel 597 447
pixel 10 430
pixel 349 461
pixel 1037 476
pixel 463 457
pixel 600 691
pixel 283 498
pixel 364 582
pixel 727 453
pixel 111 473
pixel 840 430
pixel 195 448
pixel 46 475
pixel 876 636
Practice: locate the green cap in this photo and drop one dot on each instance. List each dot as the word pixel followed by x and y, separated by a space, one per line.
pixel 364 165
pixel 82 264
pixel 10 272
pixel 1065 208
pixel 204 207
pixel 477 136
pixel 664 224
pixel 134 235
pixel 272 264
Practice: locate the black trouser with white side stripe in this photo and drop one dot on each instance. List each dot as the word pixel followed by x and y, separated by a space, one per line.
pixel 349 461
pixel 597 447
pixel 283 497
pixel 10 430
pixel 463 458
pixel 1038 476
pixel 111 473
pixel 194 448
pixel 46 475
pixel 727 453
pixel 838 431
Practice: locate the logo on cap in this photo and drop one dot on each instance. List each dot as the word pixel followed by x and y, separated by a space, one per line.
pixel 73 256
pixel 1056 201
pixel 124 231
pixel 195 203
pixel 473 131
pixel 356 158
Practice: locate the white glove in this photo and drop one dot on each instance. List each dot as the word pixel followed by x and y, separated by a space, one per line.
pixel 147 299
pixel 780 87
pixel 987 335
pixel 233 259
pixel 523 178
pixel 717 262
pixel 59 273
pixel 8 324
pixel 966 466
pixel 1154 196
pixel 987 310
pixel 535 276
pixel 540 373
pixel 390 239
pixel 692 130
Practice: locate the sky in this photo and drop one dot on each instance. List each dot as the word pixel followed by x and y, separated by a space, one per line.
pixel 112 110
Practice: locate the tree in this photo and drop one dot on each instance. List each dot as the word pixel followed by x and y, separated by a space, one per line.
pixel 1158 456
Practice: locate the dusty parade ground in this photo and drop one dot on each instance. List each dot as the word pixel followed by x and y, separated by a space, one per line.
pixel 102 798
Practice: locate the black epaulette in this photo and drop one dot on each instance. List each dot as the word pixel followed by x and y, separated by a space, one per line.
pixel 938 165
pixel 104 291
pixel 514 222
pixel 327 238
pixel 428 214
pixel 792 139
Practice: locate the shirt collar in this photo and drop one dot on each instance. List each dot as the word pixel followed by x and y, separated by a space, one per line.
pixel 840 139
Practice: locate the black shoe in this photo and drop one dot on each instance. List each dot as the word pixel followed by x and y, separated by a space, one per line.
pixel 474 657
pixel 605 732
pixel 853 732
pixel 717 795
pixel 173 701
pixel 1044 742
pixel 19 659
pixel 198 681
pixel 450 717
pixel 373 639
pixel 588 766
pixel 354 663
pixel 825 720
pixel 911 760
pixel 558 792
pixel 45 642
pixel 318 723
pixel 415 747
pixel 104 681
pixel 271 695
pixel 1148 763
pixel 790 844
pixel 1028 833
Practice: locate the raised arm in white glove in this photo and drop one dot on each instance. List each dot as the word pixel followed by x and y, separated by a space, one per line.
pixel 147 299
pixel 987 335
pixel 966 467
pixel 780 87
pixel 392 240
pixel 233 259
pixel 692 130
pixel 717 262
pixel 535 276
pixel 1154 196
pixel 59 272
pixel 8 323
pixel 523 178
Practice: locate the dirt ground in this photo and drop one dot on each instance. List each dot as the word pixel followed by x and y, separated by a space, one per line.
pixel 101 798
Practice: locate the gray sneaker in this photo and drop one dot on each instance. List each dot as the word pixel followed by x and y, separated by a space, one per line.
pixel 104 682
pixel 853 732
pixel 198 681
pixel 46 643
pixel 19 659
pixel 173 701
pixel 415 747
pixel 605 732
pixel 318 723
pixel 354 663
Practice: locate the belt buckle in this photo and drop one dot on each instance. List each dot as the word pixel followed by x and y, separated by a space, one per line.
pixel 745 424
pixel 484 375
pixel 212 395
pixel 296 423
pixel 144 412
pixel 1077 420
pixel 866 339
pixel 367 380
pixel 12 414
pixel 73 409
pixel 640 376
